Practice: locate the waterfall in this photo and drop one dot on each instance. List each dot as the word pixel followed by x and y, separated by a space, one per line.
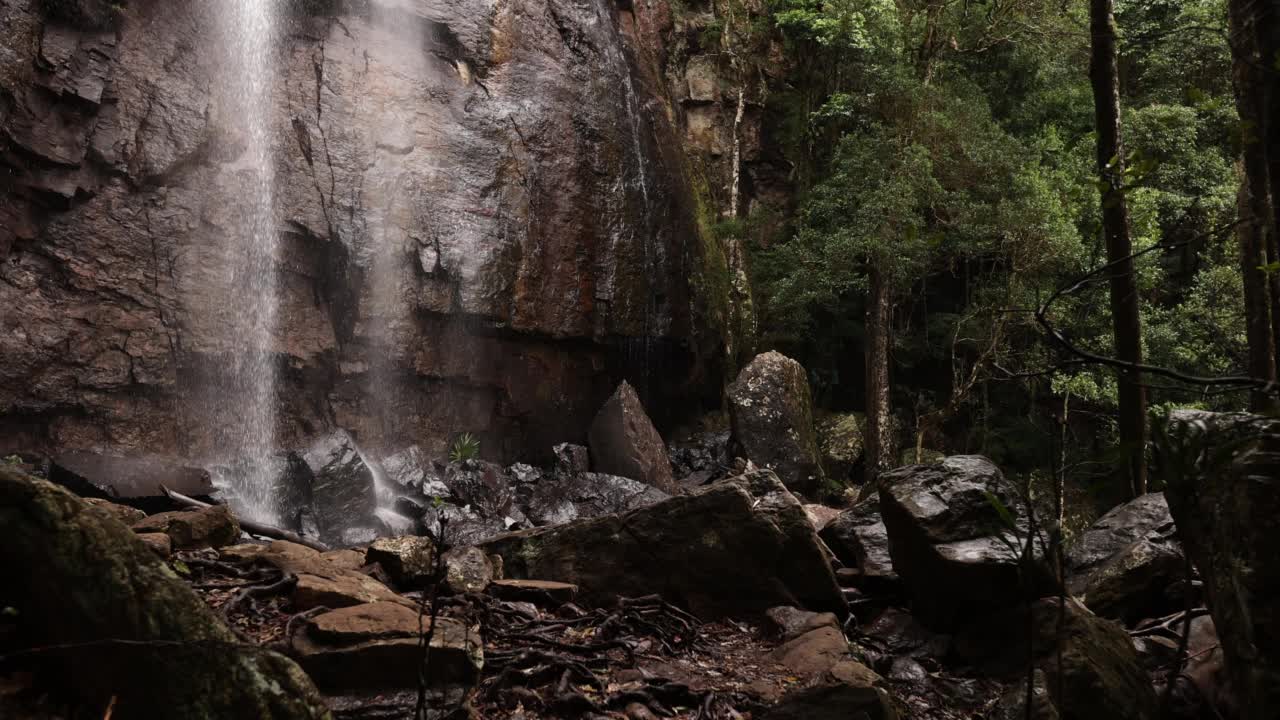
pixel 248 393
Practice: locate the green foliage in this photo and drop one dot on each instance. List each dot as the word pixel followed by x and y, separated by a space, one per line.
pixel 465 447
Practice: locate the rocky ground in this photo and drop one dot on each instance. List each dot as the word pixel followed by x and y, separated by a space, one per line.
pixel 478 591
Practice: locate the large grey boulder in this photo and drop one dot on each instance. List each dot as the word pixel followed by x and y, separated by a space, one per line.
pixel 343 495
pixel 950 541
pixel 624 442
pixel 771 414
pixel 1227 512
pixel 558 498
pixel 1125 564
pixel 859 539
pixel 738 547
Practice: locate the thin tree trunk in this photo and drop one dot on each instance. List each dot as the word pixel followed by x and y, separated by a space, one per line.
pixel 1127 322
pixel 1256 231
pixel 879 430
pixel 1265 17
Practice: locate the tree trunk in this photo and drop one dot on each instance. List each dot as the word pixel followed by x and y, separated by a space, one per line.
pixel 1256 230
pixel 1127 323
pixel 879 424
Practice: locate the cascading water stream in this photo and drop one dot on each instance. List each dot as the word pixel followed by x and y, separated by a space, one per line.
pixel 249 392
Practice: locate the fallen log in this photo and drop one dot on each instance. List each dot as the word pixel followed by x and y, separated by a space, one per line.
pixel 100 607
pixel 249 526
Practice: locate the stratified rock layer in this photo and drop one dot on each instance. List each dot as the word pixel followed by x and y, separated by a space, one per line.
pixel 483 221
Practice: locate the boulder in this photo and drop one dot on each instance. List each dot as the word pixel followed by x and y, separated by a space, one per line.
pixel 467 570
pixel 124 513
pixel 848 690
pixel 739 546
pixel 1100 673
pixel 342 486
pixel 411 470
pixel 624 442
pixel 213 526
pixel 950 542
pixel 560 498
pixel 840 440
pixel 142 635
pixel 1122 566
pixel 859 540
pixel 813 652
pixel 771 415
pixel 409 559
pixel 112 476
pixel 703 452
pixel 1228 519
pixel 374 646
pixel 790 623
pixel 571 459
pixel 487 489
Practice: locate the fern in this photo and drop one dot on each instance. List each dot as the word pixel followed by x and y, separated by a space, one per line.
pixel 465 447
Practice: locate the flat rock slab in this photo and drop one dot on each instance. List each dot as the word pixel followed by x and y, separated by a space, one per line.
pixel 374 646
pixel 124 513
pixel 321 582
pixel 859 539
pixel 533 590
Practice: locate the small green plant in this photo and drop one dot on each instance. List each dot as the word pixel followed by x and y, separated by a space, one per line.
pixel 12 460
pixel 465 447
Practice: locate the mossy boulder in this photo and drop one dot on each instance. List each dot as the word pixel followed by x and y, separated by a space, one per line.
pixel 771 414
pixel 145 637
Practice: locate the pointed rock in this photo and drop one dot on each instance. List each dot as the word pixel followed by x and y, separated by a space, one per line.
pixel 771 413
pixel 624 442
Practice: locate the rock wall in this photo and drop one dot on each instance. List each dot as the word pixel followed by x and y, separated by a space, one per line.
pixel 517 163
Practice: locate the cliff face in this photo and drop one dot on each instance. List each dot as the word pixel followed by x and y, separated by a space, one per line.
pixel 483 207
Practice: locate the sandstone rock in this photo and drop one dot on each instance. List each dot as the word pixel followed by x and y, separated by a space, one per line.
pixel 342 486
pixel 624 442
pixel 1229 523
pixel 850 691
pixel 158 542
pixel 1100 674
pixel 467 570
pixel 737 547
pixel 127 477
pixel 791 622
pixel 124 513
pixel 840 439
pixel 772 418
pixel 1123 565
pixel 705 452
pixel 533 590
pixel 346 559
pixel 813 652
pixel 375 647
pixel 820 515
pixel 96 582
pixel 408 559
pixel 859 540
pixel 213 526
pixel 320 582
pixel 948 541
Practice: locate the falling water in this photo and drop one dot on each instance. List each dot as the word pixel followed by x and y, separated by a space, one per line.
pixel 247 32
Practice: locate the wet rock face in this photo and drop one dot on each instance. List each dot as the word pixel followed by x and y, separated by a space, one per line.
pixel 342 486
pixel 480 214
pixel 1229 520
pixel 772 417
pixel 948 541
